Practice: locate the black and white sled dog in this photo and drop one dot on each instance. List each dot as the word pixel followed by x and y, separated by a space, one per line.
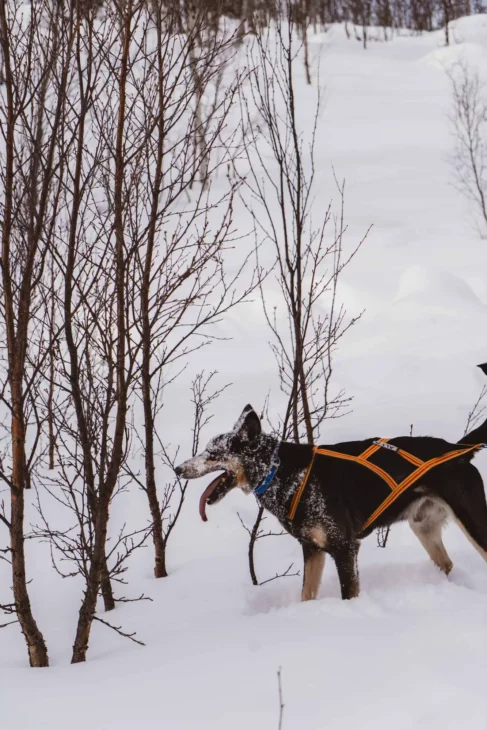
pixel 340 495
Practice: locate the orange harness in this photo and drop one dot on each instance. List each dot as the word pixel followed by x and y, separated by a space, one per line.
pixel 396 488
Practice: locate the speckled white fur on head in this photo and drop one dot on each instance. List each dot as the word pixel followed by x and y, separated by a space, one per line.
pixel 218 454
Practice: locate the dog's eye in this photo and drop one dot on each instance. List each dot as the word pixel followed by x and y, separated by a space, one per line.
pixel 211 457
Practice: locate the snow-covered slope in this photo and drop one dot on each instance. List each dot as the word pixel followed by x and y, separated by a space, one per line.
pixel 411 652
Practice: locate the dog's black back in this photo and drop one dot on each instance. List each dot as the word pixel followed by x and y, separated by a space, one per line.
pixel 352 492
pixel 359 491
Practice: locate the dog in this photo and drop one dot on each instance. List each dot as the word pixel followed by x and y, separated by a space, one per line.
pixel 339 495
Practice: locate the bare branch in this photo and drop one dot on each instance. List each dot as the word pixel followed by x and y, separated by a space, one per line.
pixel 118 629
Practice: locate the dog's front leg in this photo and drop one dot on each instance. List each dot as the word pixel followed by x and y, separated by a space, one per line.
pixel 345 558
pixel 314 561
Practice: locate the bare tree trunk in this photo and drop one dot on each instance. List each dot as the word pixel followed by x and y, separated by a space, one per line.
pixel 305 23
pixel 147 345
pixel 201 161
pixel 36 645
pixel 106 588
pixel 304 347
pixel 16 349
pixel 74 367
pixel 446 5
pixel 50 397
pixel 98 560
pixel 88 606
pixel 150 482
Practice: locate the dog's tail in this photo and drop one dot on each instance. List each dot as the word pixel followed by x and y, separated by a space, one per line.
pixel 479 434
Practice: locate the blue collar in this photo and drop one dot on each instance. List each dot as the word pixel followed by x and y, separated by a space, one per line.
pixel 269 478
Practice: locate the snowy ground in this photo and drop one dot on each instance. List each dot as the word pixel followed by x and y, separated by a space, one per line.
pixel 411 652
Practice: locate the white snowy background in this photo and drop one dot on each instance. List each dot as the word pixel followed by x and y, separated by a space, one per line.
pixel 411 652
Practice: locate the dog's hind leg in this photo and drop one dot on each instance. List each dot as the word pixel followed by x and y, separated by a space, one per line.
pixel 314 562
pixel 345 558
pixel 426 519
pixel 480 544
pixel 466 499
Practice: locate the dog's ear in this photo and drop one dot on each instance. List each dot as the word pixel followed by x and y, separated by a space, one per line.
pixel 248 426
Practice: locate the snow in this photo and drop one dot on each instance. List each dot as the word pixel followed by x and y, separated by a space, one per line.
pixel 411 652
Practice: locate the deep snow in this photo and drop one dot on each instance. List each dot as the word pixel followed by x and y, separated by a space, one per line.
pixel 411 652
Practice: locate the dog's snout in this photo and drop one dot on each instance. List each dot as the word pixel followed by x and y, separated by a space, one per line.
pixel 192 468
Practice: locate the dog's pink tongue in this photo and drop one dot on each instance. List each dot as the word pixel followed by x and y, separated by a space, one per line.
pixel 206 494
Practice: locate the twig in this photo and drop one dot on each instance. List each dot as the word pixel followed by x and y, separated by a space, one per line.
pixel 476 412
pixel 260 533
pixel 9 623
pixel 4 520
pixel 286 574
pixel 9 609
pixel 133 600
pixel 118 629
pixel 281 703
pixel 382 535
pixel 256 533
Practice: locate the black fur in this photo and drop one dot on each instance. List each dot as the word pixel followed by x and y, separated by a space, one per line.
pixel 341 495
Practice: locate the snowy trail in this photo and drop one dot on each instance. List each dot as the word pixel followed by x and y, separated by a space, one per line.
pixel 410 651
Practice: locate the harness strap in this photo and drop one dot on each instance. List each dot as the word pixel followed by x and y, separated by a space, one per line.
pixel 362 459
pixel 409 457
pixel 396 488
pixel 363 462
pixel 372 449
pixel 300 490
pixel 412 478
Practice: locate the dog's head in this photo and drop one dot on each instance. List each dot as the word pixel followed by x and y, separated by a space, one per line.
pixel 227 452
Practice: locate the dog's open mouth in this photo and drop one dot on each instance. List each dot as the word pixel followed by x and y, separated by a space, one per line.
pixel 216 490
